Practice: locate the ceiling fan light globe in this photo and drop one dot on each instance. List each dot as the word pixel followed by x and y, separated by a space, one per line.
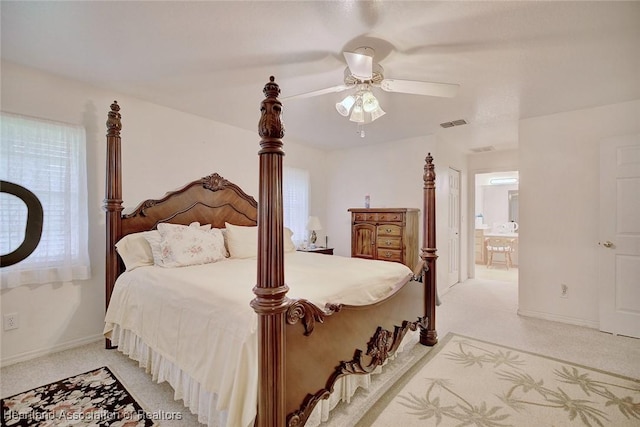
pixel 369 102
pixel 377 113
pixel 344 106
pixel 357 114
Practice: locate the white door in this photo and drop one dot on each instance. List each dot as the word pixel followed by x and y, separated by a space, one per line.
pixel 454 227
pixel 619 251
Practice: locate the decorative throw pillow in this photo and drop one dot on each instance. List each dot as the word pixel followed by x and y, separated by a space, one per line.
pixel 182 246
pixel 135 250
pixel 154 239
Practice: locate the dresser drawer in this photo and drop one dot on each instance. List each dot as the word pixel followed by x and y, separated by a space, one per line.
pixel 365 217
pixel 391 217
pixel 389 230
pixel 388 242
pixel 378 217
pixel 389 254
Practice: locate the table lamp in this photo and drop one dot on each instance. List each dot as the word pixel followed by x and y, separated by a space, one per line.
pixel 313 225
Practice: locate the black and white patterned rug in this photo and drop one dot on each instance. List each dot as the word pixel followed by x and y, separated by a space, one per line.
pixel 95 398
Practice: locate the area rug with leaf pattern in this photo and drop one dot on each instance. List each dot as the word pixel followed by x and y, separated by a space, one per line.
pixel 468 382
pixel 95 398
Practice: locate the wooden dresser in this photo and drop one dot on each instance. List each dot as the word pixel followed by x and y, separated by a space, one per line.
pixel 389 234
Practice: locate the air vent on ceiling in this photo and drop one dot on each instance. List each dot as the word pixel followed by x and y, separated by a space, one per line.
pixel 459 122
pixel 482 149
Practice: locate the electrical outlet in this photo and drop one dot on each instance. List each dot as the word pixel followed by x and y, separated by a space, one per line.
pixel 564 290
pixel 10 321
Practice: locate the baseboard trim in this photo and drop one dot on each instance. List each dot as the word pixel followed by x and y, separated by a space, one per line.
pixel 557 318
pixel 33 354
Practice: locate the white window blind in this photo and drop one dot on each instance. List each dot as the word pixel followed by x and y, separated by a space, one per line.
pixel 49 159
pixel 295 189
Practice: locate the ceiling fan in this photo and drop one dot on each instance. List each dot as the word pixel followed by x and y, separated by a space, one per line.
pixel 363 74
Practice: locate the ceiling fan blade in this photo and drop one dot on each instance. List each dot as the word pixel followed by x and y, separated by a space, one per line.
pixel 333 89
pixel 360 65
pixel 445 90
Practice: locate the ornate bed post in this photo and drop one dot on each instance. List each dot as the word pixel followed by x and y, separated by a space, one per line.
pixel 271 302
pixel 429 336
pixel 113 199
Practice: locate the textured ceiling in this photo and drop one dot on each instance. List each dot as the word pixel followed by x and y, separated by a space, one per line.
pixel 512 60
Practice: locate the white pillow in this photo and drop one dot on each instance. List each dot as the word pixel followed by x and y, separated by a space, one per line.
pixel 182 246
pixel 134 249
pixel 289 246
pixel 242 242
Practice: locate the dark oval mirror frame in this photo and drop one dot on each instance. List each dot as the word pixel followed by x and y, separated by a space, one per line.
pixel 33 231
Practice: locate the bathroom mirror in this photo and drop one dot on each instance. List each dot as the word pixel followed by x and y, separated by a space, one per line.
pixel 513 206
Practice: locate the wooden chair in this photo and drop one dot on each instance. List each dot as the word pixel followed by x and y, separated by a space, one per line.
pixel 499 245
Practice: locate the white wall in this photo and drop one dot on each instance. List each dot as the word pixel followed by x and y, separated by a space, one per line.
pixel 162 149
pixel 559 202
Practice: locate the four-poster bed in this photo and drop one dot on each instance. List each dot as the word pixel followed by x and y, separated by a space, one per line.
pixel 300 341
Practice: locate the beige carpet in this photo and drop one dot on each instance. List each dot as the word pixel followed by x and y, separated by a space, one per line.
pixel 468 382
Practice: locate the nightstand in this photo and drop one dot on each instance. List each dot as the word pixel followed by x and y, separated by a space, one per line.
pixel 325 251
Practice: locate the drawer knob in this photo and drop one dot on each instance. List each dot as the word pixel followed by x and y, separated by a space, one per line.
pixel 387 242
pixel 388 230
pixel 388 255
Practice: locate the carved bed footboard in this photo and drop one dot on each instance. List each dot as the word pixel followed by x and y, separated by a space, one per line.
pixel 324 345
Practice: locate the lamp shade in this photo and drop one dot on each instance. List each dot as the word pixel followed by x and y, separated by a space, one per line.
pixel 314 223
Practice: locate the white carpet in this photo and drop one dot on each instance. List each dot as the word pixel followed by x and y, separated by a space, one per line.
pixel 468 382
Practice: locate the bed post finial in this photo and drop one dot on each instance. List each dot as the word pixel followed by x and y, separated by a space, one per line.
pixel 114 125
pixel 429 171
pixel 270 125
pixel 271 302
pixel 271 89
pixel 429 336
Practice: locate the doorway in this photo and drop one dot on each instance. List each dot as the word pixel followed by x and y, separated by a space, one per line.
pixel 453 225
pixel 496 212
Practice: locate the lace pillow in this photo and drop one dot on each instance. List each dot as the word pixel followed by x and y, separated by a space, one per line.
pixel 154 238
pixel 181 246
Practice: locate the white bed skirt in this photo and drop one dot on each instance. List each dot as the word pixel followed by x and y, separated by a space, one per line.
pixel 204 403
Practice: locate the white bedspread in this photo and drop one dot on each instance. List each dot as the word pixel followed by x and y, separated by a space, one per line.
pixel 199 319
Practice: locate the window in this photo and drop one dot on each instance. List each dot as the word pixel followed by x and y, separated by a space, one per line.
pixel 295 191
pixel 49 159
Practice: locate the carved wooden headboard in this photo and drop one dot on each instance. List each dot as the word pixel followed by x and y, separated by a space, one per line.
pixel 209 200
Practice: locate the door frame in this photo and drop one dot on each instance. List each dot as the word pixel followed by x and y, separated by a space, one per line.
pixel 471 213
